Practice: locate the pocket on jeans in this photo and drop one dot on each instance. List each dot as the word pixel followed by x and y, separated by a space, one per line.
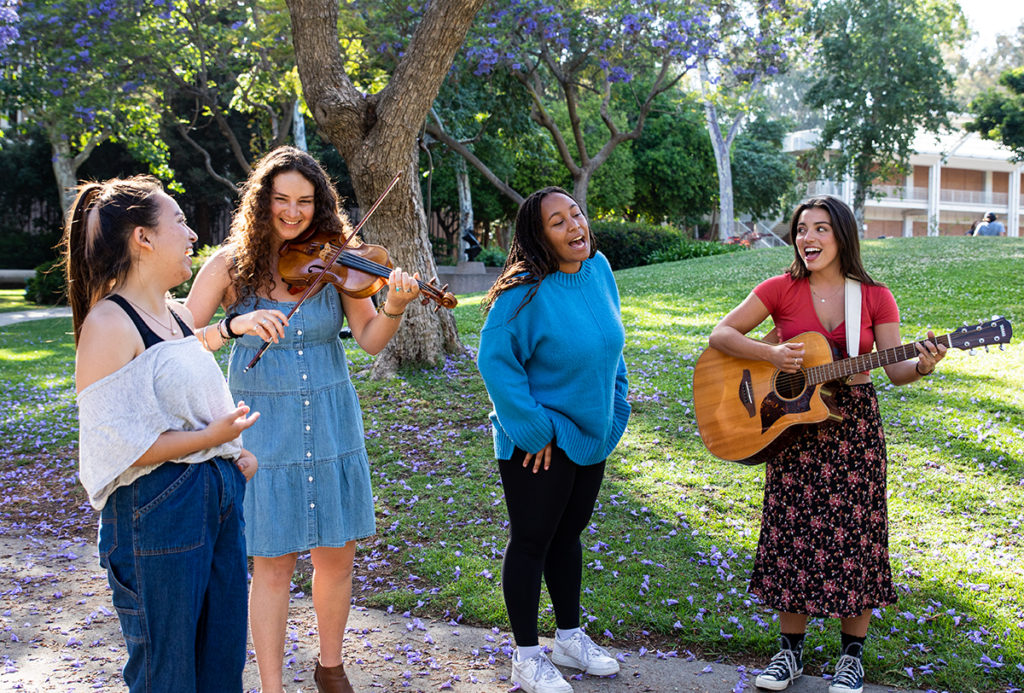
pixel 106 542
pixel 173 521
pixel 129 611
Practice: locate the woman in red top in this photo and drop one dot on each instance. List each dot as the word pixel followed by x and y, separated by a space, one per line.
pixel 823 549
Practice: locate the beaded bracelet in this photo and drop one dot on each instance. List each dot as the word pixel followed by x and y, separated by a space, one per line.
pixel 393 316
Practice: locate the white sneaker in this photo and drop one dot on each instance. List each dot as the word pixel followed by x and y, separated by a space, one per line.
pixel 538 675
pixel 580 652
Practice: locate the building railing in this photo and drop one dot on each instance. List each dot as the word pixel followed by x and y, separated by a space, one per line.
pixel 916 194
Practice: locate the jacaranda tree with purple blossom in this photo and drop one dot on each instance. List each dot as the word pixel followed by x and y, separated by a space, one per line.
pixel 565 53
pixel 71 68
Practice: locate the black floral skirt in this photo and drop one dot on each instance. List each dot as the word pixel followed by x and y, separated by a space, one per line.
pixel 824 545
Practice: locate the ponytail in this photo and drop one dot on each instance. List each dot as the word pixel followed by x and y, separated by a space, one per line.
pixel 94 248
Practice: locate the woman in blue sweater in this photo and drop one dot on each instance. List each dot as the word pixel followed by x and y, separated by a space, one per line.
pixel 551 358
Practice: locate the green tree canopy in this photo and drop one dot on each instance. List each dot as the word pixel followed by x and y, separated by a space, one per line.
pixel 999 113
pixel 882 79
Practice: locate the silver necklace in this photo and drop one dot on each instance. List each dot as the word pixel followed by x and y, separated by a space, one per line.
pixel 833 295
pixel 170 326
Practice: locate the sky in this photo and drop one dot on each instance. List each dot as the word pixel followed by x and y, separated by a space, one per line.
pixel 988 18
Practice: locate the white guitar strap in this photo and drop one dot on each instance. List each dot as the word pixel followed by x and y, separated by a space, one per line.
pixel 852 317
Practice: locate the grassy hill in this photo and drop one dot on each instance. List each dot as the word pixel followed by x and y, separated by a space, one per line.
pixel 670 548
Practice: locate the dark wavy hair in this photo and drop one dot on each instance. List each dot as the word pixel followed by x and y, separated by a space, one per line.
pixel 95 254
pixel 530 258
pixel 844 230
pixel 252 226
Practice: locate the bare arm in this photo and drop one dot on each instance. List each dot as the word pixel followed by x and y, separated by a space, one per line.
pixel 171 445
pixel 730 337
pixel 373 330
pixel 212 289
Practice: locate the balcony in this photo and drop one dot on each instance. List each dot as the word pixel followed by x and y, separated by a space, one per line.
pixel 904 194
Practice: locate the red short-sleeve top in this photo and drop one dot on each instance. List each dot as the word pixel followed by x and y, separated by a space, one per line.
pixel 791 306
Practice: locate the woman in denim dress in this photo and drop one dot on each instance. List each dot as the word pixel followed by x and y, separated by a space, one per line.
pixel 159 448
pixel 314 490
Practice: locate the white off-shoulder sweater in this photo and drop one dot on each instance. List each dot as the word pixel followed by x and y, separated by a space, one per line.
pixel 172 386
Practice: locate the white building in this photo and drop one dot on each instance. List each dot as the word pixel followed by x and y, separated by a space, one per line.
pixel 956 178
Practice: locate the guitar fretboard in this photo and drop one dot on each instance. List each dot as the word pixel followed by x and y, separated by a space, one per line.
pixel 866 362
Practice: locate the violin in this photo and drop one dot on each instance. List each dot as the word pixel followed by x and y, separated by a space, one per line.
pixel 360 271
pixel 314 258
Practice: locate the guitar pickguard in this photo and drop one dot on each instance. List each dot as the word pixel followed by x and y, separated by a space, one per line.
pixel 774 407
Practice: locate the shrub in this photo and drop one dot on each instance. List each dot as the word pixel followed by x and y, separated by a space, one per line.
pixel 492 256
pixel 631 244
pixel 47 287
pixel 21 250
pixel 687 248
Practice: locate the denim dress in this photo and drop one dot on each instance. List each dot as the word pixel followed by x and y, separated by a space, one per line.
pixel 312 487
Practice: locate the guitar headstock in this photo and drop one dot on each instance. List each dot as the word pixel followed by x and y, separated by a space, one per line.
pixel 994 332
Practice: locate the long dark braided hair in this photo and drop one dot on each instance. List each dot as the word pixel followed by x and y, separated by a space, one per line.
pixel 530 258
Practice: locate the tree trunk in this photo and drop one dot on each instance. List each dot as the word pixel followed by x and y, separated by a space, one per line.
pixel 299 128
pixel 65 164
pixel 377 134
pixel 65 173
pixel 465 205
pixel 723 163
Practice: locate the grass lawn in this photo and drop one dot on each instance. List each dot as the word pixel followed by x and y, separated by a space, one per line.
pixel 14 299
pixel 669 552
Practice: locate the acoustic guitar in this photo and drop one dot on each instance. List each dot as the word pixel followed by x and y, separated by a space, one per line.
pixel 743 406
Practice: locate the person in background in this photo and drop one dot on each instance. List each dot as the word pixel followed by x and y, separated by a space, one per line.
pixel 159 453
pixel 824 544
pixel 988 226
pixel 313 492
pixel 551 359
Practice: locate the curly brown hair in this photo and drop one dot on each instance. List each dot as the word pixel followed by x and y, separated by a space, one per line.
pixel 249 243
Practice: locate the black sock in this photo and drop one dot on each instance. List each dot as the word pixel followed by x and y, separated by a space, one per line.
pixel 851 645
pixel 794 642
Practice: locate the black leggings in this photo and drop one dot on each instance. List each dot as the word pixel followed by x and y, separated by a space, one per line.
pixel 547 512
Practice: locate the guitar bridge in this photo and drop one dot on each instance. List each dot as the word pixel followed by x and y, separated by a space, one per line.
pixel 746 393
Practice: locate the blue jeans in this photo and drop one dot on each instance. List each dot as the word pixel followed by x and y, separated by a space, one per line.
pixel 174 549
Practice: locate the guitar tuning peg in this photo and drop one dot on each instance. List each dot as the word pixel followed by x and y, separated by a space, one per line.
pixel 971 352
pixel 1002 347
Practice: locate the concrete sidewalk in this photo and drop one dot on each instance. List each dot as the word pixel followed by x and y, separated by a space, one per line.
pixel 61 633
pixel 14 317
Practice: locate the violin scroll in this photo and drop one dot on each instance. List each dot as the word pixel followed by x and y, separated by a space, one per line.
pixel 440 295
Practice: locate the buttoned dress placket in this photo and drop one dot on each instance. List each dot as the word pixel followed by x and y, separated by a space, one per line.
pixel 304 386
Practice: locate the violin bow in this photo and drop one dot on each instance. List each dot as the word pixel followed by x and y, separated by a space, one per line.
pixel 327 265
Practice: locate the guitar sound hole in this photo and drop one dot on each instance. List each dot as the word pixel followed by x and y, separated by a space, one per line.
pixel 790 385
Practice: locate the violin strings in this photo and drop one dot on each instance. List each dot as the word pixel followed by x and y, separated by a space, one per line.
pixel 371 267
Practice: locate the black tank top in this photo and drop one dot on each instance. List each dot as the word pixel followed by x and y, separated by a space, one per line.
pixel 149 337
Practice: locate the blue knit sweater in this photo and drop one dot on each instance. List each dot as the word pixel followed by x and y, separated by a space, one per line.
pixel 555 371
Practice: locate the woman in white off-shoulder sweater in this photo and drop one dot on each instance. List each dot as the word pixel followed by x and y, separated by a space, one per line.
pixel 159 452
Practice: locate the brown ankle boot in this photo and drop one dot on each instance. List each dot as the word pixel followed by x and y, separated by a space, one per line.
pixel 331 679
